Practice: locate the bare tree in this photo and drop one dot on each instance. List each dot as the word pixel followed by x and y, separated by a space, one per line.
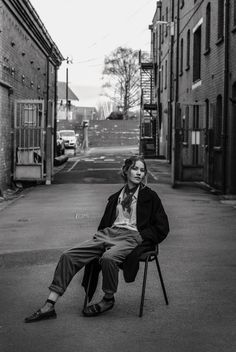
pixel 122 78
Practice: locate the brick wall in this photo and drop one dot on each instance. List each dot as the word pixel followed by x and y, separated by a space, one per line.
pixel 191 15
pixel 23 66
pixel 5 138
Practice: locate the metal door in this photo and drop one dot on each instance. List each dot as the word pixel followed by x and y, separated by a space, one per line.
pixel 192 142
pixel 29 140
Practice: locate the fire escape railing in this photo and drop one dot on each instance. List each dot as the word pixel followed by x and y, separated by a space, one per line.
pixel 149 126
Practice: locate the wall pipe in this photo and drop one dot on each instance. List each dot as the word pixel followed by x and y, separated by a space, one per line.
pixel 226 95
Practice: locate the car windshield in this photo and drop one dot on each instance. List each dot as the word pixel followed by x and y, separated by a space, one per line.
pixel 67 134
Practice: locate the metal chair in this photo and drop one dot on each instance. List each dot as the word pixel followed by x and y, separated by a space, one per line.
pixel 146 257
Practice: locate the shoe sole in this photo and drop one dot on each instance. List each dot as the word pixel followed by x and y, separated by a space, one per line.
pixel 44 318
pixel 89 315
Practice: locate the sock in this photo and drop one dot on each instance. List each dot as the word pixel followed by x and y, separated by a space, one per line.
pixel 51 302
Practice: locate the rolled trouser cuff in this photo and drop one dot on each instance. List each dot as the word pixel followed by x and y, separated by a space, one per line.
pixel 60 291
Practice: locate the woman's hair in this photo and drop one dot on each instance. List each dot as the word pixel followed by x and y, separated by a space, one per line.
pixel 130 162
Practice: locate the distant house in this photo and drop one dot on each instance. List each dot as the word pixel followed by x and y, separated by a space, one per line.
pixel 86 113
pixel 62 112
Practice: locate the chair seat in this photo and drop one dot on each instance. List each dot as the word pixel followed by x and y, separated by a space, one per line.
pixel 149 254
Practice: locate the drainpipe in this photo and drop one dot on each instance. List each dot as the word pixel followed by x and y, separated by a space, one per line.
pixel 159 111
pixel 226 96
pixel 175 143
pixel 48 161
pixel 170 109
pixel 55 111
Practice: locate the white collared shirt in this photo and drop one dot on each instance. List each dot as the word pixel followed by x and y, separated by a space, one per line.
pixel 125 219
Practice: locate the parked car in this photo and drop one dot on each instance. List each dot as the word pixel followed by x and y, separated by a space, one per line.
pixel 60 145
pixel 69 138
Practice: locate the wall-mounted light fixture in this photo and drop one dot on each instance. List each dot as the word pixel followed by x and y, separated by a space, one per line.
pixel 171 25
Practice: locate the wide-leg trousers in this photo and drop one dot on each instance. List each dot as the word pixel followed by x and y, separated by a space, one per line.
pixel 110 245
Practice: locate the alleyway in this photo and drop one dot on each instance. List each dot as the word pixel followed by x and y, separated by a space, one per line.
pixel 197 260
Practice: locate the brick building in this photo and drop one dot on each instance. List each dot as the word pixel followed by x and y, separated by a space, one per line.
pixel 29 60
pixel 193 54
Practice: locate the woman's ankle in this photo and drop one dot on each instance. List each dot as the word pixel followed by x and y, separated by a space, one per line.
pixel 108 297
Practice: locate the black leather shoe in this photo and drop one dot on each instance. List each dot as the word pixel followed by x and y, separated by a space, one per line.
pixel 51 314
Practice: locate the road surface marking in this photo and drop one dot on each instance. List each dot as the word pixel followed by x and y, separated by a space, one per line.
pixel 155 177
pixel 102 169
pixel 72 167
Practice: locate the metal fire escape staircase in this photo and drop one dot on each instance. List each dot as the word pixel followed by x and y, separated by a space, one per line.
pixel 149 141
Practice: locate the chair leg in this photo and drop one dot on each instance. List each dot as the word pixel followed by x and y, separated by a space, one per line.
pixel 143 288
pixel 161 279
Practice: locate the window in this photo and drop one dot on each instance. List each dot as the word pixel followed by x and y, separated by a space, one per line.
pixel 208 27
pixel 188 51
pixel 181 56
pixel 220 19
pixel 197 39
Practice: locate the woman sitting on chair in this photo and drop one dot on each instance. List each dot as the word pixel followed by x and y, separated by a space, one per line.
pixel 133 216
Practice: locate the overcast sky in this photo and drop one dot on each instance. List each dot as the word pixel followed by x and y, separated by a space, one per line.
pixel 86 31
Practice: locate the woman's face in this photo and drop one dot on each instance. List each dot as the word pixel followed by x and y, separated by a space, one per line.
pixel 136 174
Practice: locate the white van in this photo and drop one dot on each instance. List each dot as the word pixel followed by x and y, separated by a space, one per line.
pixel 69 138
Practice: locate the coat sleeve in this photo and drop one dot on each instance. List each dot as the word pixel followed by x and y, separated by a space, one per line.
pixel 109 213
pixel 105 217
pixel 158 228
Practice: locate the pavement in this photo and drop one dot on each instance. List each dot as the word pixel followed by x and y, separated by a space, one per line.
pixel 197 261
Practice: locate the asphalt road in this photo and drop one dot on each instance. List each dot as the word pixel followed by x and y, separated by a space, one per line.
pixel 97 165
pixel 197 261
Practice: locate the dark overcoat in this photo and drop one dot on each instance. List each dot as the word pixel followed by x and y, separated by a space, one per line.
pixel 152 224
